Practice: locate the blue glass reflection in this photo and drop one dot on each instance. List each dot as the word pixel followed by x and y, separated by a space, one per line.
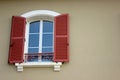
pixel 35 27
pixel 47 26
pixel 32 50
pixel 33 40
pixel 47 40
pixel 47 50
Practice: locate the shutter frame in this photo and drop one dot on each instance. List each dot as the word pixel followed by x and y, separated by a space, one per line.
pixel 17 38
pixel 61 38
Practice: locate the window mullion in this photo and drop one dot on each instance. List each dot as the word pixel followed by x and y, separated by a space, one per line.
pixel 40 36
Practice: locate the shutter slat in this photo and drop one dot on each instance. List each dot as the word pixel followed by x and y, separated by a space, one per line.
pixel 61 43
pixel 17 37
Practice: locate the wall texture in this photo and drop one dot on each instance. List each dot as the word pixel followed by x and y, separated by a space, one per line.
pixel 94 40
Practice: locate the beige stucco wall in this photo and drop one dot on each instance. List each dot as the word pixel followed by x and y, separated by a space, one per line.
pixel 94 40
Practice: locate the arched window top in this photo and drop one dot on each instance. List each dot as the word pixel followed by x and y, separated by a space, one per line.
pixel 40 13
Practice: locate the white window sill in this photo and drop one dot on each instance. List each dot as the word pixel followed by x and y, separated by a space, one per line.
pixel 56 65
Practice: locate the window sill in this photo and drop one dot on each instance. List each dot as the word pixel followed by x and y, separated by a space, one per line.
pixel 56 65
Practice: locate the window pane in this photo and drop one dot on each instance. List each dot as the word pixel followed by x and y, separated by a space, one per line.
pixel 33 40
pixel 32 50
pixel 34 27
pixel 47 26
pixel 47 57
pixel 32 58
pixel 47 50
pixel 47 40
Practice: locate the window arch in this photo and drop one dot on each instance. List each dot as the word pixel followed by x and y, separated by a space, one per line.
pixel 40 12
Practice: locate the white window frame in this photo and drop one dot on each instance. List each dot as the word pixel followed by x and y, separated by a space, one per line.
pixel 28 15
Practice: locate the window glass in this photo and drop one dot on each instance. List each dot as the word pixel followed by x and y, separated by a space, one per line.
pixel 32 58
pixel 34 27
pixel 47 58
pixel 47 40
pixel 33 50
pixel 48 26
pixel 47 50
pixel 33 40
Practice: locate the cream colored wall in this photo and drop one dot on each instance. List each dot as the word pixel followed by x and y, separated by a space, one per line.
pixel 94 40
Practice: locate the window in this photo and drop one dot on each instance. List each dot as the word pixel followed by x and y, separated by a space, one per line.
pixel 39 38
pixel 40 45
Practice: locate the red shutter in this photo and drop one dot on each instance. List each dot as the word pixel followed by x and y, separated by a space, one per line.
pixel 61 43
pixel 16 49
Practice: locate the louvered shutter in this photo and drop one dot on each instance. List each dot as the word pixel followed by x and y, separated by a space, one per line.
pixel 61 43
pixel 17 38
